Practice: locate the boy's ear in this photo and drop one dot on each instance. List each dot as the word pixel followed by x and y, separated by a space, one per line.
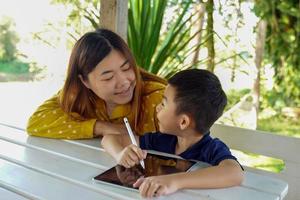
pixel 84 82
pixel 185 122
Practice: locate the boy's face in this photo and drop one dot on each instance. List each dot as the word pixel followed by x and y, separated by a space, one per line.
pixel 168 121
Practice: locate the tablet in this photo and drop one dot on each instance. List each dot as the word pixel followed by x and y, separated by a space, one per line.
pixel 154 165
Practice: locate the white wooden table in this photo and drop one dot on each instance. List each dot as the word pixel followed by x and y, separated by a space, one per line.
pixel 40 168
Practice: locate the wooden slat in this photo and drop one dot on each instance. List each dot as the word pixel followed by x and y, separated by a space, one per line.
pixel 265 183
pixel 80 153
pixel 236 193
pixel 89 143
pixel 57 167
pixel 8 195
pixel 263 143
pixel 41 150
pixel 292 192
pixel 41 185
pixel 71 171
pixel 81 174
pixel 259 142
pixel 294 185
pixel 291 169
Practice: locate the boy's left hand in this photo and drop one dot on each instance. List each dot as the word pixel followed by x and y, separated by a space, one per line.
pixel 156 186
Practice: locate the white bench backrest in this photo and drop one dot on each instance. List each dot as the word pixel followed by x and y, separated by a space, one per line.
pixel 263 143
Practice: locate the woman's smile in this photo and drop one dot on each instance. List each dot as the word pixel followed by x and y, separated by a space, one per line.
pixel 124 92
pixel 127 92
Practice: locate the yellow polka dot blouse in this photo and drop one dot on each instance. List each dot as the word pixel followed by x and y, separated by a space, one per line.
pixel 49 120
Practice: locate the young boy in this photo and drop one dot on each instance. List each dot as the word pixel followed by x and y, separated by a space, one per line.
pixel 193 100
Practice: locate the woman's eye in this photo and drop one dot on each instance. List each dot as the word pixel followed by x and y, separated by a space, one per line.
pixel 108 78
pixel 126 67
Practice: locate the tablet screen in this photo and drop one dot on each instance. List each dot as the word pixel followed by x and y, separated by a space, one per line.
pixel 154 165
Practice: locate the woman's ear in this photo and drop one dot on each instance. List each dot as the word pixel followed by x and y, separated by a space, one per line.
pixel 185 122
pixel 84 82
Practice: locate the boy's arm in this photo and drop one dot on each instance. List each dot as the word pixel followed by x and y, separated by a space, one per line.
pixel 114 145
pixel 227 173
pixel 121 149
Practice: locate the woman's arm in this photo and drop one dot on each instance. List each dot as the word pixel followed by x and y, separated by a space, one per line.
pixel 102 128
pixel 49 120
pixel 228 173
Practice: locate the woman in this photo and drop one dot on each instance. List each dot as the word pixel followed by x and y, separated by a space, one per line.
pixel 102 86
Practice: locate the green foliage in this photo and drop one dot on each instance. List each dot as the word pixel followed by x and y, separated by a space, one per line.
pixel 260 162
pixel 159 51
pixel 14 67
pixel 234 96
pixel 82 12
pixel 20 71
pixel 271 99
pixel 283 46
pixel 281 125
pixel 144 25
pixel 233 20
pixel 8 40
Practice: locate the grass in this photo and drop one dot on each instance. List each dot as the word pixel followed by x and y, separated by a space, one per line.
pixel 259 161
pixel 281 125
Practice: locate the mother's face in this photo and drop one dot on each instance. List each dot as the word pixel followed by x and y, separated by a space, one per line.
pixel 113 79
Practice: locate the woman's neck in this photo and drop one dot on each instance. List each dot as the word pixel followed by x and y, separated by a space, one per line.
pixel 109 108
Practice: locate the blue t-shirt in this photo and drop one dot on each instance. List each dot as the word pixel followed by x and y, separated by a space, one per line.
pixel 207 149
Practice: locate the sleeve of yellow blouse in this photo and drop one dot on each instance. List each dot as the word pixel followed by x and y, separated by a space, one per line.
pixel 150 101
pixel 49 120
pixel 155 100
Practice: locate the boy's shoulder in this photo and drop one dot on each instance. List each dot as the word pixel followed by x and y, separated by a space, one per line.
pixel 157 135
pixel 208 149
pixel 211 143
pixel 158 141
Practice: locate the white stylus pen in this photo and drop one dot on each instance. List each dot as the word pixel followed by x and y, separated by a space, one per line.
pixel 132 138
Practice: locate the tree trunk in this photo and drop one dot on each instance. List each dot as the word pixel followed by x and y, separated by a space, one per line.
pixel 236 39
pixel 259 52
pixel 210 34
pixel 200 9
pixel 114 16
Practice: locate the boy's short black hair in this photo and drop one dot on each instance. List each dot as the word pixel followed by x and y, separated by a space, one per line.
pixel 200 95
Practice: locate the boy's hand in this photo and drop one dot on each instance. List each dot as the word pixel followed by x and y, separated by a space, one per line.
pixel 156 186
pixel 130 156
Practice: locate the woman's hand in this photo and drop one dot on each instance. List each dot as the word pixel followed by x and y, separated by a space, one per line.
pixel 103 128
pixel 155 186
pixel 130 156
